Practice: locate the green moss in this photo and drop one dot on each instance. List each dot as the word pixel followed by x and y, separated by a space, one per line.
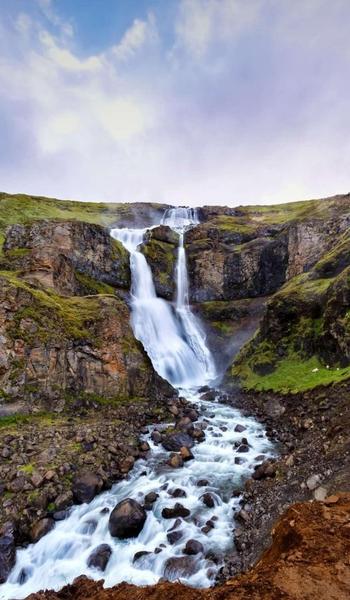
pixel 72 315
pixel 21 208
pixel 291 375
pixel 17 252
pixel 92 286
pixel 27 469
pixel 43 418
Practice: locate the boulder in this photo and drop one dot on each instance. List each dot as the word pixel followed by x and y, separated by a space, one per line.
pixel 174 536
pixel 179 566
pixel 85 487
pixel 175 461
pixel 177 511
pixel 151 497
pixel 239 428
pixel 175 441
pixel 208 500
pixel 127 519
pixel 193 547
pixel 99 557
pixel 41 528
pixel 186 454
pixel 7 556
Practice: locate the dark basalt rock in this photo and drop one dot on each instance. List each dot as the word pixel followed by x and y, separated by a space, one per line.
pixel 127 519
pixel 177 511
pixel 193 547
pixel 99 557
pixel 175 441
pixel 86 486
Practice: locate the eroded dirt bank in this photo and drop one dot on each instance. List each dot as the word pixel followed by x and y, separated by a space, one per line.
pixel 308 559
pixel 311 431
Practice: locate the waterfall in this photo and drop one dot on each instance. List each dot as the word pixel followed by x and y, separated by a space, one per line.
pixel 175 342
pixel 171 335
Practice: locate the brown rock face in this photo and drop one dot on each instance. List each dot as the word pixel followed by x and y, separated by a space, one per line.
pixel 55 341
pixel 160 249
pixel 66 255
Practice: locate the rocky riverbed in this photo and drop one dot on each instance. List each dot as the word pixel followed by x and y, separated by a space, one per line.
pixel 309 558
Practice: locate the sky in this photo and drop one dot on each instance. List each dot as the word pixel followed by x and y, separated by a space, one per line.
pixel 180 101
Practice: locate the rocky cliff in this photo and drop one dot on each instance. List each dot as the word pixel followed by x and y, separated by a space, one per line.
pixel 64 319
pixel 292 257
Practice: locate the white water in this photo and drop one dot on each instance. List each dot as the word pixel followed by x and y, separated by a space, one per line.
pixel 176 345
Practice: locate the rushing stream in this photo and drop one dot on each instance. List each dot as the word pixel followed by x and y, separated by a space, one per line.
pixel 176 344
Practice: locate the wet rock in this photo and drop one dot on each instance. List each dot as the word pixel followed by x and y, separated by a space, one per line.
pixel 192 414
pixel 60 515
pixel 239 428
pixel 151 497
pixel 184 423
pixel 202 482
pixel 179 566
pixel 99 557
pixel 156 436
pixel 177 511
pixel 239 460
pixel 144 447
pixel 41 528
pixel 127 519
pixel 7 556
pixel 178 493
pixel 186 454
pixel 175 461
pixel 193 547
pixel 174 536
pixel 243 448
pixel 208 500
pixel 198 434
pixel 175 441
pixel 139 555
pixel 86 486
pixel 127 464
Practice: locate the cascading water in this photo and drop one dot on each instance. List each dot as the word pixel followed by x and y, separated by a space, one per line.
pixel 171 336
pixel 175 342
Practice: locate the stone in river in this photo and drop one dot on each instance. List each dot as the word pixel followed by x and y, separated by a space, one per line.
pixel 127 519
pixel 193 547
pixel 177 511
pixel 99 557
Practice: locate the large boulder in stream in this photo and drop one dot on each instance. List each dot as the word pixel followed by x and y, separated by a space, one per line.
pixel 127 519
pixel 177 440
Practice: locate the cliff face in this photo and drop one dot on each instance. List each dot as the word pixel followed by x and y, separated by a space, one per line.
pixel 238 255
pixel 64 320
pixel 304 336
pixel 160 248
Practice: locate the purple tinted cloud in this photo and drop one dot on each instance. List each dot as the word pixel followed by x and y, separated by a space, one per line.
pixel 244 102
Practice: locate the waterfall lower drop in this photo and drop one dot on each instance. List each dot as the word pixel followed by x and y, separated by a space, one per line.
pixel 175 342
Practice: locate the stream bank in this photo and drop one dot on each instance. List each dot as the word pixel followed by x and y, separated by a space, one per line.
pixel 311 430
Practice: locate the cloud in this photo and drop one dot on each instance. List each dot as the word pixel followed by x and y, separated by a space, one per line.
pixel 201 23
pixel 241 102
pixel 48 10
pixel 136 37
